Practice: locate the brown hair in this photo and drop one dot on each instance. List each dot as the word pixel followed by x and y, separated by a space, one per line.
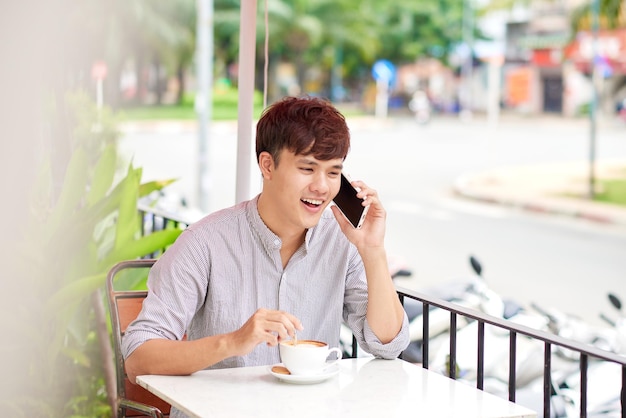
pixel 305 126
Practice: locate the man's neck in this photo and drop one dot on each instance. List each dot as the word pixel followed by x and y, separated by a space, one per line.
pixel 290 237
pixel 289 247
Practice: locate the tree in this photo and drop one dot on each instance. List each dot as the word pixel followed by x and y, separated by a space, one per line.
pixel 611 15
pixel 347 36
pixel 419 29
pixel 153 35
pixel 316 33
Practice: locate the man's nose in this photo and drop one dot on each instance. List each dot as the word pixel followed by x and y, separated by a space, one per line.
pixel 320 184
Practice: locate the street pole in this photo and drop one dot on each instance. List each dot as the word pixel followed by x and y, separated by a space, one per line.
pixel 204 100
pixel 247 48
pixel 466 70
pixel 593 107
pixel 382 97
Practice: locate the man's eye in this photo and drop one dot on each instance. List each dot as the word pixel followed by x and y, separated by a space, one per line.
pixel 307 169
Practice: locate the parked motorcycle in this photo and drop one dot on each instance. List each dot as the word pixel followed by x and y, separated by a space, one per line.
pixel 529 363
pixel 620 109
pixel 619 324
pixel 603 378
pixel 471 293
pixel 421 107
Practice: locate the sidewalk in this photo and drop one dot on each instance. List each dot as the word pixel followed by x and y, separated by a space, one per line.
pixel 550 188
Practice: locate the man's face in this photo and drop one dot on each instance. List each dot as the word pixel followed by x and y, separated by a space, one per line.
pixel 301 187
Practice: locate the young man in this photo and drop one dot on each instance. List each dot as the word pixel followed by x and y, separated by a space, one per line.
pixel 242 279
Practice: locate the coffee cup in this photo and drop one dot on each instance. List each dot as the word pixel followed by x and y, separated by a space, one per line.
pixel 307 357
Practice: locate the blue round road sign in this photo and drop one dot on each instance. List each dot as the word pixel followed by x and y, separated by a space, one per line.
pixel 384 70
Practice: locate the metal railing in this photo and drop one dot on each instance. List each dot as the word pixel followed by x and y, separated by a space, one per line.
pixel 585 352
pixel 157 220
pixel 153 220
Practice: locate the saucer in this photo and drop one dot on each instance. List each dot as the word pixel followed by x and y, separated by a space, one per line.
pixel 329 372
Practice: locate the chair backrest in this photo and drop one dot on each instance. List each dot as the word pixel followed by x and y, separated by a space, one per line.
pixel 124 306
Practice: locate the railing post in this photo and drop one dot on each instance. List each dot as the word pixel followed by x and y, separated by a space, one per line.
pixel 142 227
pixel 401 297
pixel 547 378
pixel 583 385
pixel 452 362
pixel 512 364
pixel 425 335
pixel 480 377
pixel 623 396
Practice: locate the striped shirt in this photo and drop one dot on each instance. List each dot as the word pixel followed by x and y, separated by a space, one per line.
pixel 227 265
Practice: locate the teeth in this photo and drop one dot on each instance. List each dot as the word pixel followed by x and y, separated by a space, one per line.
pixel 313 202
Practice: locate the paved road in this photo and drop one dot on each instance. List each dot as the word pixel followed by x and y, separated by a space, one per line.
pixel 554 260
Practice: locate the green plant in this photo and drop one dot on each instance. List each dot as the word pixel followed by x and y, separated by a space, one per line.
pixel 74 238
pixel 612 191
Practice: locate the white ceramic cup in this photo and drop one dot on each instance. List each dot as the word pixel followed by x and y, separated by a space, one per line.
pixel 307 357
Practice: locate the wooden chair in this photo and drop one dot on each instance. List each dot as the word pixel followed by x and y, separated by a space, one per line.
pixel 124 306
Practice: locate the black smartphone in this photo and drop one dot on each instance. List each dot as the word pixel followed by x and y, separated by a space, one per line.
pixel 351 205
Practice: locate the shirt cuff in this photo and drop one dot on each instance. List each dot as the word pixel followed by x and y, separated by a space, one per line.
pixel 393 348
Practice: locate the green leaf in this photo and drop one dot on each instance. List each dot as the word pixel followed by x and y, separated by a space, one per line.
pixel 149 187
pixel 71 294
pixel 77 356
pixel 145 245
pixel 103 175
pixel 74 187
pixel 127 223
pixel 110 203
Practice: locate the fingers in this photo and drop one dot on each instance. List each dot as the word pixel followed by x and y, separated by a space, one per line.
pixel 266 326
pixel 372 232
pixel 278 325
pixel 339 216
pixel 368 195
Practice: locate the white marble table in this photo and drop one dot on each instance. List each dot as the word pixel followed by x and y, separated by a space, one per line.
pixel 364 387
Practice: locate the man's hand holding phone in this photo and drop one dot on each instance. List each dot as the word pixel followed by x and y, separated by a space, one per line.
pixel 366 229
pixel 350 204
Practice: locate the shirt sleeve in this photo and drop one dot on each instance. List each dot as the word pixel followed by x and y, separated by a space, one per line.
pixel 393 348
pixel 355 309
pixel 177 286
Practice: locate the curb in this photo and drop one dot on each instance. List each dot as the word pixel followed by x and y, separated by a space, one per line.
pixel 590 211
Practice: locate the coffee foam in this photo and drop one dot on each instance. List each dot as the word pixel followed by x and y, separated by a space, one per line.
pixel 305 343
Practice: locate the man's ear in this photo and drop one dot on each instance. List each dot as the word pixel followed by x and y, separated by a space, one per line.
pixel 266 164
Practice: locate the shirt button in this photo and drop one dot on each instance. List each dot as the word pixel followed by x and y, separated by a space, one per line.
pixel 277 242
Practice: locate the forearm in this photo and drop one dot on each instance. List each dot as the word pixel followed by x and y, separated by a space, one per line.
pixel 384 310
pixel 169 357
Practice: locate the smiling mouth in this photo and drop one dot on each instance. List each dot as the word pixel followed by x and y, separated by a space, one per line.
pixel 313 203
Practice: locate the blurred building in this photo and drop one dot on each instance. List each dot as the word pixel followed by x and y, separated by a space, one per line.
pixel 434 78
pixel 549 69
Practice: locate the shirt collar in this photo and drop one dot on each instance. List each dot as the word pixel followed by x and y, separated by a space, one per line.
pixel 270 240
